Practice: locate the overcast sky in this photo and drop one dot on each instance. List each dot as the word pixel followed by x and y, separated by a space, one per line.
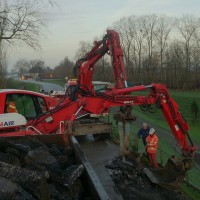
pixel 76 20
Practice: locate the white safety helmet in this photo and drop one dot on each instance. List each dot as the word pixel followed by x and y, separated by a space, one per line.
pixel 152 131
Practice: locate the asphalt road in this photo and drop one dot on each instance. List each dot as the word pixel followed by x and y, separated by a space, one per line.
pixel 46 86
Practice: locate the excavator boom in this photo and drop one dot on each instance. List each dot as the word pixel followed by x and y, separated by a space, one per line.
pixel 110 44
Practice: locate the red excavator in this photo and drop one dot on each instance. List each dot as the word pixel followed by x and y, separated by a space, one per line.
pixel 42 117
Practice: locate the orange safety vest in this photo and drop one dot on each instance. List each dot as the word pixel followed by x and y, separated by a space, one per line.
pixel 11 108
pixel 152 143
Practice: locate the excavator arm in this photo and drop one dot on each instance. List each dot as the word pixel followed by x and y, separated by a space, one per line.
pixel 83 98
pixel 159 95
pixel 99 103
pixel 110 44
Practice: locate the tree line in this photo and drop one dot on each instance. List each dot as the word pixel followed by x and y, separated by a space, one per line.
pixel 157 48
pixel 162 49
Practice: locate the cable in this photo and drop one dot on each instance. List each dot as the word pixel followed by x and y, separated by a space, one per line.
pixel 79 90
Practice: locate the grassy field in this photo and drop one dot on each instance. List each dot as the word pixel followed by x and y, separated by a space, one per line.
pixel 14 84
pixel 60 82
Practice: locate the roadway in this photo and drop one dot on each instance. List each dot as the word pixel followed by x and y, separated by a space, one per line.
pixel 46 86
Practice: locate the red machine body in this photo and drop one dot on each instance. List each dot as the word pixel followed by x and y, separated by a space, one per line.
pixel 86 101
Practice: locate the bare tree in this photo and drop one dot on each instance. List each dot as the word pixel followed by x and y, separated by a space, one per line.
pixel 22 66
pixel 138 44
pixel 3 63
pixel 21 21
pixel 3 66
pixel 149 23
pixel 64 69
pixel 84 47
pixel 36 63
pixel 188 25
pixel 173 71
pixel 125 28
pixel 195 59
pixel 163 29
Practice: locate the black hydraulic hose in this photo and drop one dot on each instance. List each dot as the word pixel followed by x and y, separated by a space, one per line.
pixel 73 93
pixel 191 142
pixel 54 110
pixel 77 89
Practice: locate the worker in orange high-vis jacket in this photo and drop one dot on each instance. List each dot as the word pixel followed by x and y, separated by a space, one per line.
pixel 152 145
pixel 11 107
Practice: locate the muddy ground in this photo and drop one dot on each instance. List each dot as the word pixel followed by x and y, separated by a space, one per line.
pixel 133 183
pixel 31 170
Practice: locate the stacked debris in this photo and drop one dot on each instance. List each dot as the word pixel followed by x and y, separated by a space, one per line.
pixel 31 170
pixel 133 183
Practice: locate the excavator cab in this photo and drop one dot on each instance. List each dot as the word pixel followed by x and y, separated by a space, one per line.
pixel 28 106
pixel 26 103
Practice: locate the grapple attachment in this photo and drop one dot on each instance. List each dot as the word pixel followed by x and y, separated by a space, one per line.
pixel 171 175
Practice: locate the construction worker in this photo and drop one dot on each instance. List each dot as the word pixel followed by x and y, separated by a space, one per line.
pixel 11 107
pixel 152 145
pixel 142 133
pixel 124 119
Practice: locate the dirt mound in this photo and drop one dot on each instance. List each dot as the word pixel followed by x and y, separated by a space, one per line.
pixel 31 170
pixel 133 183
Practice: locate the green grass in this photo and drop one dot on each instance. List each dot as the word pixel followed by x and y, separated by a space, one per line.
pixel 14 84
pixel 190 192
pixel 60 82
